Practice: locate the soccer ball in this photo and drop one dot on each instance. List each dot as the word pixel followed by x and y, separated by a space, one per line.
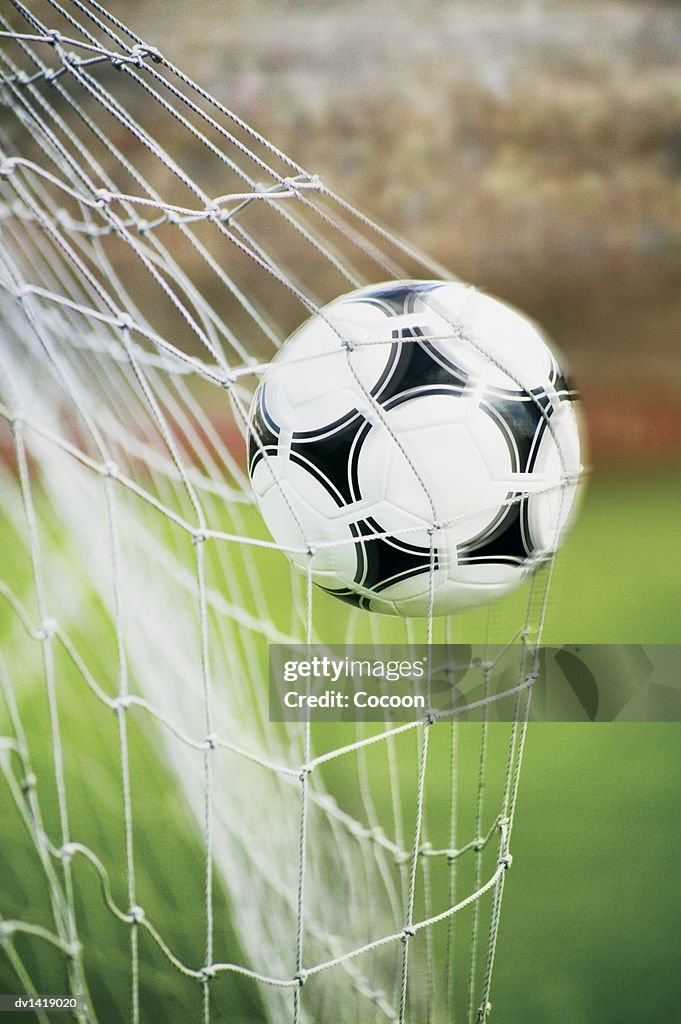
pixel 415 447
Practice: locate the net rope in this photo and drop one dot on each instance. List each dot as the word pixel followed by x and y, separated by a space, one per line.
pixel 156 251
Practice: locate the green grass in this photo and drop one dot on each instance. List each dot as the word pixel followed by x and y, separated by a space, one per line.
pixel 590 923
pixel 619 576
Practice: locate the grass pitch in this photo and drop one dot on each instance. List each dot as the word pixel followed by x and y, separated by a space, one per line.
pixel 590 923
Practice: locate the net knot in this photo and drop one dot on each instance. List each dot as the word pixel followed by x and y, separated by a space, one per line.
pixel 125 322
pixel 148 51
pixel 483 1012
pixel 198 537
pixel 211 741
pixel 6 932
pixel 300 977
pixel 207 973
pixel 505 861
pixel 136 914
pixel 140 50
pixel 29 782
pixel 47 629
pixel 53 37
pixel 110 470
pixel 431 716
pixel 72 59
pixel 8 166
pixel 407 933
pixel 103 197
pixel 66 852
pixel 121 703
pixel 137 54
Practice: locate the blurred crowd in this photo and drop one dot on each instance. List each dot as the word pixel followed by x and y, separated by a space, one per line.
pixel 532 147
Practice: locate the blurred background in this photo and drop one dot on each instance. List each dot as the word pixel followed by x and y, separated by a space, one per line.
pixel 535 150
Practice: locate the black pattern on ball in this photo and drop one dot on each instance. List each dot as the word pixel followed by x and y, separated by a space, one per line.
pixel 384 560
pixel 522 419
pixel 263 435
pixel 332 457
pixel 506 539
pixel 397 299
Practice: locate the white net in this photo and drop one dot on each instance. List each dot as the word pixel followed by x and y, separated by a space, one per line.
pixel 170 854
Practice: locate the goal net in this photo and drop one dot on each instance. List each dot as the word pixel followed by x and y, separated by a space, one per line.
pixel 169 853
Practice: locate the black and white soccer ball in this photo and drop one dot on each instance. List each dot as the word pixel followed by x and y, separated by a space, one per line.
pixel 415 446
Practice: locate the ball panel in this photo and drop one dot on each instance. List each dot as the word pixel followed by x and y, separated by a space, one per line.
pixel 315 380
pixel 556 474
pixel 501 345
pixel 453 596
pixel 296 512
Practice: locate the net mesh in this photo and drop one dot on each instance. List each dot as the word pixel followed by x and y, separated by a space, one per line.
pixel 156 251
